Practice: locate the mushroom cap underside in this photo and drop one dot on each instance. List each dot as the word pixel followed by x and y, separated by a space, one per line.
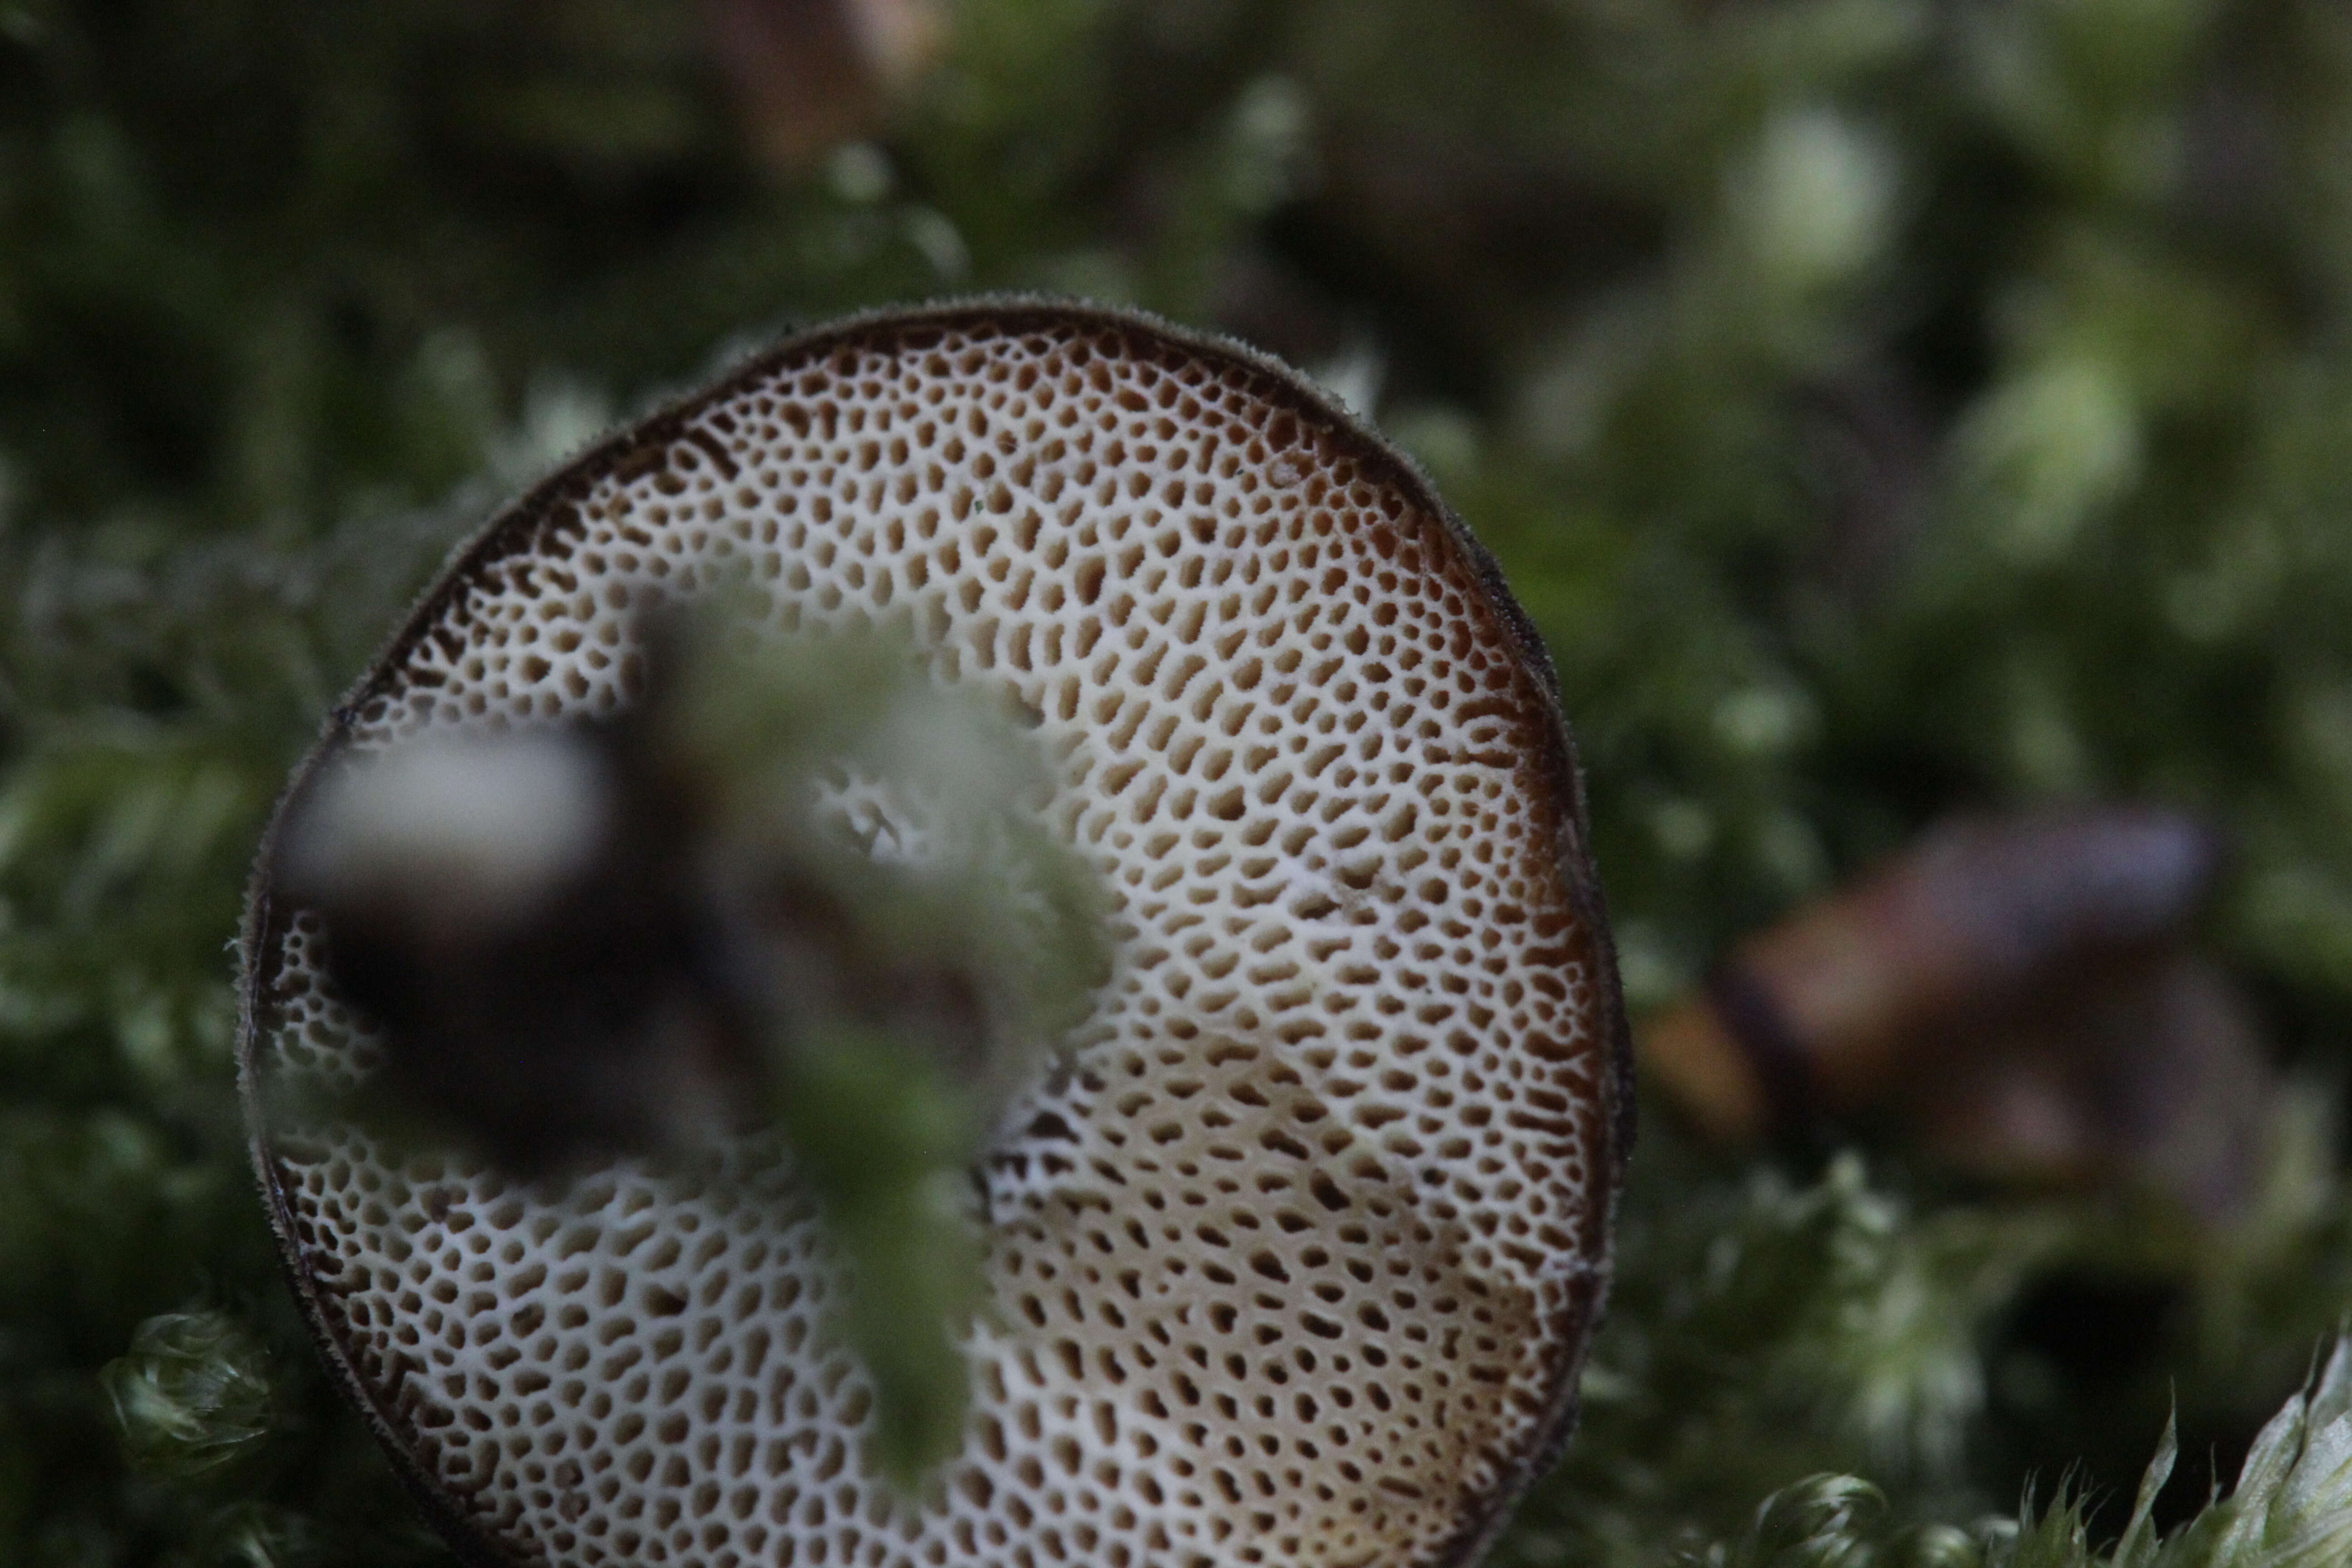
pixel 1295 1261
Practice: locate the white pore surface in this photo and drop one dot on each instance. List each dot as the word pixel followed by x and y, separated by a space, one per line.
pixel 1292 1263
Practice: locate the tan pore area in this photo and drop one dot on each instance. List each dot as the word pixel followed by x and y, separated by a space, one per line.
pixel 1294 1261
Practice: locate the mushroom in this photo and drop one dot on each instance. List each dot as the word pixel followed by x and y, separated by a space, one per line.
pixel 1295 1258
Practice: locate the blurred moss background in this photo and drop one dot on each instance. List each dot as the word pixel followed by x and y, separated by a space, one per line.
pixel 1884 406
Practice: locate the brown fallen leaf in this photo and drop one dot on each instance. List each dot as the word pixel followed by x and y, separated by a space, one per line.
pixel 2020 994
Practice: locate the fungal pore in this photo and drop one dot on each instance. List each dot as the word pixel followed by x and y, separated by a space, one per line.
pixel 1294 1261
